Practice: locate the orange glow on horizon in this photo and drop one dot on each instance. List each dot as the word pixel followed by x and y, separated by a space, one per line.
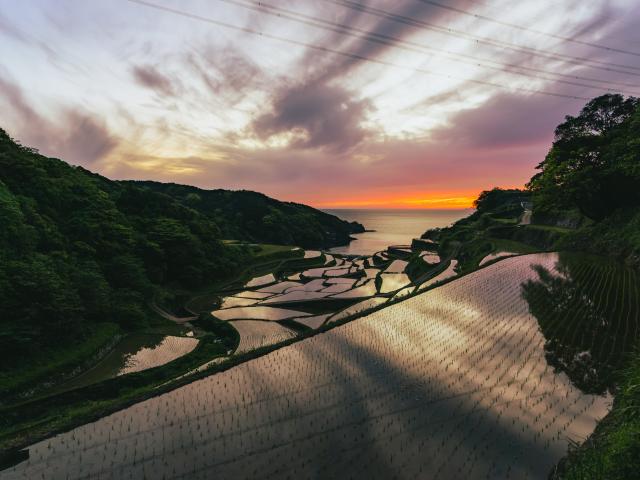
pixel 417 201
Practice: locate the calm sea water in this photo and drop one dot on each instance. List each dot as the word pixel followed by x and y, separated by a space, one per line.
pixel 392 227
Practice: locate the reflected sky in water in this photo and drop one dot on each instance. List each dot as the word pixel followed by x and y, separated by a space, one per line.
pixel 452 383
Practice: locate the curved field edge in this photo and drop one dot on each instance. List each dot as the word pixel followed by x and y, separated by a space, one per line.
pixel 60 365
pixel 89 405
pixel 42 375
pixel 24 424
pixel 417 350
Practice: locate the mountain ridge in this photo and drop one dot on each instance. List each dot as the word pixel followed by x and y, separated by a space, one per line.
pixel 79 251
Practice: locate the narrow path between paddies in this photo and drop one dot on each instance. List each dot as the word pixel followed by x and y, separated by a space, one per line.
pixel 449 384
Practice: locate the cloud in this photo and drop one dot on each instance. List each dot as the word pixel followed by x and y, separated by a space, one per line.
pixel 75 136
pixel 226 73
pixel 10 30
pixel 386 29
pixel 319 116
pixel 148 76
pixel 330 128
pixel 315 112
pixel 507 120
pixel 372 171
pixel 83 139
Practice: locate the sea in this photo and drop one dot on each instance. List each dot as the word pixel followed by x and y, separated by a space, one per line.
pixel 392 226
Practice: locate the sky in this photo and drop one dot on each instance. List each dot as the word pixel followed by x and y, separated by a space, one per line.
pixel 332 103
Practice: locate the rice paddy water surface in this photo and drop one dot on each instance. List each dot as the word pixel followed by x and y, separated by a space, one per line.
pixel 489 376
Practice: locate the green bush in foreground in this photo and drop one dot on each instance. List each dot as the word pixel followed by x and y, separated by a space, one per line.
pixel 613 451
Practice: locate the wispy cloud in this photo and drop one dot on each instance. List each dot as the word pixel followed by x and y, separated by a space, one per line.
pixel 153 94
pixel 76 136
pixel 317 115
pixel 149 76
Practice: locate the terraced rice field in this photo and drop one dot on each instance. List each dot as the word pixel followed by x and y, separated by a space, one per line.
pixel 263 280
pixel 358 307
pixel 494 256
pixel 257 313
pixel 392 282
pixel 322 292
pixel 450 272
pixel 255 334
pixel 458 382
pixel 134 353
pixel 397 266
pixel 430 258
pixel 167 350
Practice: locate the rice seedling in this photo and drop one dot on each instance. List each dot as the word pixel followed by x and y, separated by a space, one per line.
pixel 456 382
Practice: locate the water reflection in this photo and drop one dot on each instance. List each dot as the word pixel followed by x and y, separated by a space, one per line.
pixel 134 353
pixel 449 384
pixel 588 310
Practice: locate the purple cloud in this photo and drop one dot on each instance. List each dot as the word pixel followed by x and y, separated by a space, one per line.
pixel 327 116
pixel 507 120
pixel 148 76
pixel 75 136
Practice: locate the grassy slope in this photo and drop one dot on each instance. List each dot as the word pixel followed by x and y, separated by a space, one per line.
pixel 471 239
pixel 613 451
pixel 617 236
pixel 57 363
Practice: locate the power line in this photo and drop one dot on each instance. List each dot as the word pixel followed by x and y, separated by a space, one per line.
pixel 528 29
pixel 584 61
pixel 344 54
pixel 416 47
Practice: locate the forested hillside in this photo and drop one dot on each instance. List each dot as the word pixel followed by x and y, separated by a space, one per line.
pixel 585 197
pixel 254 216
pixel 80 253
pixel 593 170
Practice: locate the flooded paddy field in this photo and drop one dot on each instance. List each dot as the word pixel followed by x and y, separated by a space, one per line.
pixel 494 256
pixel 134 353
pixel 488 376
pixel 325 288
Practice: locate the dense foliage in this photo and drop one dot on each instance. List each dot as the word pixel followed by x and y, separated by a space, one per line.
pixel 497 197
pixel 594 163
pixel 254 216
pixel 613 451
pixel 585 197
pixel 78 250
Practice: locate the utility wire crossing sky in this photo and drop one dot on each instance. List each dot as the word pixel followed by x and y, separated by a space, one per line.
pixel 334 103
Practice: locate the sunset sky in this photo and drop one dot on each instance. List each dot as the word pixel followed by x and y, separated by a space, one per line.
pixel 333 103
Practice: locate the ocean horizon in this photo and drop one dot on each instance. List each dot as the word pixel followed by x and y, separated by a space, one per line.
pixel 392 226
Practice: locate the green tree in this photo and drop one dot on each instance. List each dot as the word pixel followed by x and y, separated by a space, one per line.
pixel 594 163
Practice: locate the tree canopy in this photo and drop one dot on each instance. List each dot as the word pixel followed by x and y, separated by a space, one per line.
pixel 77 248
pixel 491 199
pixel 594 162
